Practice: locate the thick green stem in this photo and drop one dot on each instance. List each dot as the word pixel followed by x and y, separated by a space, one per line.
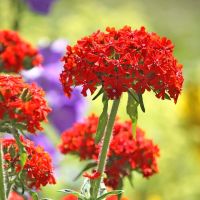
pixel 105 148
pixel 2 175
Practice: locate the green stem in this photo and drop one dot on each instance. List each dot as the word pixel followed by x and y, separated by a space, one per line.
pixel 105 148
pixel 2 175
pixel 19 8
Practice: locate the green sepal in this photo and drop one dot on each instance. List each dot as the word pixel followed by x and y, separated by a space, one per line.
pixel 69 191
pixel 167 97
pixel 88 166
pixel 27 62
pixel 131 110
pixel 114 192
pixel 34 195
pixel 1 97
pixel 102 121
pixel 140 98
pixel 24 94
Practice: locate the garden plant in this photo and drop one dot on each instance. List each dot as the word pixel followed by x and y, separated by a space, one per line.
pixel 106 65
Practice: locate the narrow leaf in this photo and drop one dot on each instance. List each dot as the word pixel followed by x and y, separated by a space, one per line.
pixel 98 94
pixel 102 122
pixel 23 157
pixel 22 150
pixel 34 195
pixel 88 166
pixel 141 102
pixel 132 93
pixel 69 191
pixel 130 178
pixel 114 192
pixel 131 110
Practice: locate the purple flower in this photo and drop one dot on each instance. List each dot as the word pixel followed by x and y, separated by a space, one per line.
pixel 40 6
pixel 65 111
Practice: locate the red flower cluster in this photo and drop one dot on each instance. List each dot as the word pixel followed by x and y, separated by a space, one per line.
pixel 37 171
pixel 22 105
pixel 126 152
pixel 15 53
pixel 122 59
pixel 15 196
pixel 73 197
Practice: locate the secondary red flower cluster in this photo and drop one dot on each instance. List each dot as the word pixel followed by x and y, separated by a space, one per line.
pixel 15 53
pixel 15 196
pixel 21 104
pixel 37 171
pixel 121 59
pixel 73 197
pixel 126 152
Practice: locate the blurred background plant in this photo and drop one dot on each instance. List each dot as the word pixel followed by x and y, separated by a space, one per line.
pixel 177 129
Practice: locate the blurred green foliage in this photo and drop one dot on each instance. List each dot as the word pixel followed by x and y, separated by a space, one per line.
pixel 166 123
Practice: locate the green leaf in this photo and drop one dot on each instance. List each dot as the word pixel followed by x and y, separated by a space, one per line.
pixel 34 195
pixel 98 94
pixel 102 122
pixel 23 158
pixel 22 150
pixel 131 110
pixel 88 166
pixel 132 93
pixel 114 192
pixel 69 191
pixel 130 178
pixel 20 126
pixel 141 102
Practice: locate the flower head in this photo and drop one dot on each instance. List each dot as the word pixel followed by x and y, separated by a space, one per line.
pixel 119 60
pixel 15 53
pixel 126 153
pixel 22 105
pixel 37 171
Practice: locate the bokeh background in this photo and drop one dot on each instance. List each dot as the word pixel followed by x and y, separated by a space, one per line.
pixel 175 128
